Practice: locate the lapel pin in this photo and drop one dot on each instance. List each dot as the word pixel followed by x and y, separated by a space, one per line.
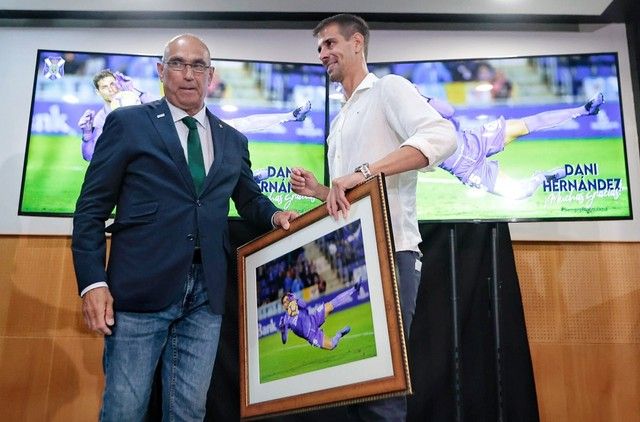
pixel 159 116
pixel 220 124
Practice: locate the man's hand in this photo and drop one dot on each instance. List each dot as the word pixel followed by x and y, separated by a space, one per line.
pixel 97 310
pixel 123 82
pixel 300 113
pixel 282 218
pixel 337 203
pixel 304 183
pixel 86 124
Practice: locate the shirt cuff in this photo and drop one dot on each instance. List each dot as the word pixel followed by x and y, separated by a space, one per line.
pixel 93 286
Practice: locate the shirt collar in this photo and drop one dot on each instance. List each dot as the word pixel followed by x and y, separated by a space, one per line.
pixel 177 114
pixel 366 83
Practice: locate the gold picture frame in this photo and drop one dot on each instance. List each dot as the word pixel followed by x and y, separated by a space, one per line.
pixel 350 347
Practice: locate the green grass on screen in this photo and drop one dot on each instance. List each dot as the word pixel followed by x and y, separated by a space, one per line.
pixel 297 356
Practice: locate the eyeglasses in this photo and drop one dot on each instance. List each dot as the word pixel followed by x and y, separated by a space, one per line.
pixel 179 66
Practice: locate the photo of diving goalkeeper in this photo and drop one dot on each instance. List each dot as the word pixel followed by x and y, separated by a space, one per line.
pixel 538 138
pixel 319 312
pixel 306 321
pixel 470 164
pixel 319 293
pixel 118 90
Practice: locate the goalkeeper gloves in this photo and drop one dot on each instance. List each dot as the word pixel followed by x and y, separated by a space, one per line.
pixel 300 113
pixel 86 125
pixel 123 82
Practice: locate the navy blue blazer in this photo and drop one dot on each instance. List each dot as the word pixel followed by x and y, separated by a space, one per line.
pixel 139 166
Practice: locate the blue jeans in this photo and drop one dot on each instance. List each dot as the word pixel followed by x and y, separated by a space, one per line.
pixel 409 265
pixel 183 338
pixel 395 408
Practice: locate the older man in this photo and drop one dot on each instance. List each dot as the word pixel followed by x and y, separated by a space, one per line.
pixel 169 167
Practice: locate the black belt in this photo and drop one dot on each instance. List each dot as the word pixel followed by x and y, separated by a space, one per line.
pixel 197 256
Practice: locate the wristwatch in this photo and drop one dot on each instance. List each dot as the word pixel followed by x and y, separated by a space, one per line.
pixel 364 169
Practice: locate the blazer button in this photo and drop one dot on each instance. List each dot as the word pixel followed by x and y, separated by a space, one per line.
pixel 190 236
pixel 198 203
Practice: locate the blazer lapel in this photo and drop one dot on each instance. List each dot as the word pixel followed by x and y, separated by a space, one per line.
pixel 218 133
pixel 162 120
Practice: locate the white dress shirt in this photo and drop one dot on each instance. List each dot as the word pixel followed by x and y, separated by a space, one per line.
pixel 206 139
pixel 380 116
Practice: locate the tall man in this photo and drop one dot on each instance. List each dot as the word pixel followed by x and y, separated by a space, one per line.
pixel 169 167
pixel 385 126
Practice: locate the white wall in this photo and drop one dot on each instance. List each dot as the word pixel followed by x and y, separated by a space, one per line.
pixel 18 61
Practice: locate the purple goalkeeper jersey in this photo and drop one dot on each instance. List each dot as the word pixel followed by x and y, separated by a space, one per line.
pixel 469 162
pixel 306 324
pixel 134 97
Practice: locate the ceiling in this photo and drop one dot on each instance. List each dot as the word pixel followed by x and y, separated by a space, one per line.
pixel 524 7
pixel 289 13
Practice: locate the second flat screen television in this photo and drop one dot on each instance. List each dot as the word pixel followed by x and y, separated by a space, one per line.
pixel 539 138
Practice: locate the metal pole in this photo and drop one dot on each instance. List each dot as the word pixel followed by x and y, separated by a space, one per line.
pixel 496 287
pixel 457 381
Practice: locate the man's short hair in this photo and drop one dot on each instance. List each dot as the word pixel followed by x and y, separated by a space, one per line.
pixel 349 24
pixel 101 75
pixel 287 295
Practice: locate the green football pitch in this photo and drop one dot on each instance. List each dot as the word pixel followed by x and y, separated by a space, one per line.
pixel 55 172
pixel 441 196
pixel 297 356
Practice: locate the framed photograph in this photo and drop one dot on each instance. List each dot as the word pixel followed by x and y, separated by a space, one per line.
pixel 320 321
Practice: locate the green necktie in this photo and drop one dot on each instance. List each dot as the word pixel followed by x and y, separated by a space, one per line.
pixel 194 153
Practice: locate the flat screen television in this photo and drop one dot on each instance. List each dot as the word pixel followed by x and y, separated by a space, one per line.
pixel 569 166
pixel 63 91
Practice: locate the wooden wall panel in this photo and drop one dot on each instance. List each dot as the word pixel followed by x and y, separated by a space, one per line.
pixel 50 365
pixel 587 382
pixel 25 370
pixel 581 301
pixel 76 380
pixel 580 292
pixel 582 308
pixel 32 285
pixel 8 247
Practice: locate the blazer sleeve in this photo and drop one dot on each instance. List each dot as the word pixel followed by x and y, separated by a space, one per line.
pixel 251 204
pixel 96 202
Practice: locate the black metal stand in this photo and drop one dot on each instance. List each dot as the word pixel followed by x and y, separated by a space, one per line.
pixel 496 288
pixel 455 316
